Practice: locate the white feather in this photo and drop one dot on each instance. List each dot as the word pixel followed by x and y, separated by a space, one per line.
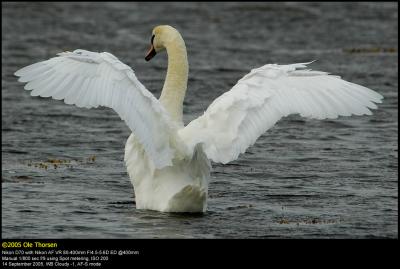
pixel 90 79
pixel 235 120
pixel 169 165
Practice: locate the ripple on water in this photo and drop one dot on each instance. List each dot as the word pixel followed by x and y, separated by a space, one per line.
pixel 302 179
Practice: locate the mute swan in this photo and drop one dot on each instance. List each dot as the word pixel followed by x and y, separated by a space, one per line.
pixel 168 163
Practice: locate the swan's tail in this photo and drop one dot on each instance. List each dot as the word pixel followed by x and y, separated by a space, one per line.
pixel 189 199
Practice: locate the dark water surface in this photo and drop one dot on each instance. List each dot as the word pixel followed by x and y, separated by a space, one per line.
pixel 302 179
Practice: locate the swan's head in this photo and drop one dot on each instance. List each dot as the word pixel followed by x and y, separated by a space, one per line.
pixel 162 37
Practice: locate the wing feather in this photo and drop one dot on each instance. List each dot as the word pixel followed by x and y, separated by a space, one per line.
pixel 235 120
pixel 91 79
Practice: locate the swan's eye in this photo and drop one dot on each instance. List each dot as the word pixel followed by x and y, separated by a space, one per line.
pixel 152 38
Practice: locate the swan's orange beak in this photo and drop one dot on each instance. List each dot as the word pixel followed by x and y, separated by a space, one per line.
pixel 151 53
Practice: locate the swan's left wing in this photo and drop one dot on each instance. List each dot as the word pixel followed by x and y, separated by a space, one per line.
pixel 235 120
pixel 90 79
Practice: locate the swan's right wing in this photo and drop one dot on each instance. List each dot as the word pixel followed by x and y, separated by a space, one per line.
pixel 91 79
pixel 235 120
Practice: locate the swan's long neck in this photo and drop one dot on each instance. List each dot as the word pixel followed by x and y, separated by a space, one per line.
pixel 175 85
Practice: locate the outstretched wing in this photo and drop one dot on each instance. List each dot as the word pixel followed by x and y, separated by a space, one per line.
pixel 235 120
pixel 91 79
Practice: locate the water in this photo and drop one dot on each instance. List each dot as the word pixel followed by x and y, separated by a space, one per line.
pixel 302 179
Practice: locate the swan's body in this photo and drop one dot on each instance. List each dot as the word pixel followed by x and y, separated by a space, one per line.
pixel 182 187
pixel 167 162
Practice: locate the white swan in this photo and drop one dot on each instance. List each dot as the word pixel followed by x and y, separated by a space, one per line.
pixel 168 163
